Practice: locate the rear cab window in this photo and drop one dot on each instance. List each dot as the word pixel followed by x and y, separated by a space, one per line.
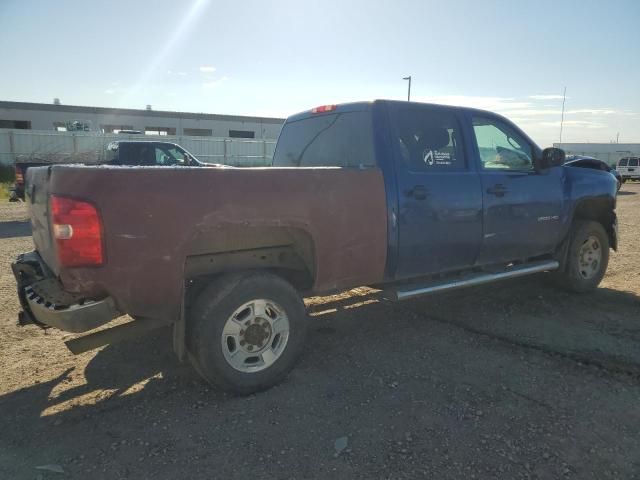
pixel 340 139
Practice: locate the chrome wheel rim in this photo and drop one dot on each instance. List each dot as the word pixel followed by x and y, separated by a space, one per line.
pixel 255 335
pixel 590 257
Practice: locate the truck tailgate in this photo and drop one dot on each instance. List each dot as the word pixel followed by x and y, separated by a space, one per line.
pixel 37 195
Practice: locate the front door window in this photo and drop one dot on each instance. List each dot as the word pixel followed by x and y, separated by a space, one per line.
pixel 501 147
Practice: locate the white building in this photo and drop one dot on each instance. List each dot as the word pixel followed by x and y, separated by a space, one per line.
pixel 58 131
pixel 608 152
pixel 41 116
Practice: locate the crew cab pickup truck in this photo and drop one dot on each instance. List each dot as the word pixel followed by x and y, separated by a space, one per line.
pixel 408 198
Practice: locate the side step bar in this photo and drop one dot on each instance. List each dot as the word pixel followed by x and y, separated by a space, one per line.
pixel 472 279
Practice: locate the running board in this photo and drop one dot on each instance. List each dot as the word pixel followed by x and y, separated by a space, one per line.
pixel 472 279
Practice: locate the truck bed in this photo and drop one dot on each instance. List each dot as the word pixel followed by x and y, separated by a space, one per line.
pixel 156 218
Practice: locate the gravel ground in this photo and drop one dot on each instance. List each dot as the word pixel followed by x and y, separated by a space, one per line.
pixel 513 380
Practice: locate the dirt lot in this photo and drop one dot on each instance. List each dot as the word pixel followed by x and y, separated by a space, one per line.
pixel 513 380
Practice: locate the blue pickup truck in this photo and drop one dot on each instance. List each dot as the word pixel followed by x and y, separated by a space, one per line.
pixel 409 198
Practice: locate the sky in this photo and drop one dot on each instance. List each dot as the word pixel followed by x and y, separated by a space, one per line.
pixel 279 57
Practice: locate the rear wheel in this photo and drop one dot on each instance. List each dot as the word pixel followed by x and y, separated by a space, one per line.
pixel 587 257
pixel 246 331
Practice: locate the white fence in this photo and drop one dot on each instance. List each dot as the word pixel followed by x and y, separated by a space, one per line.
pixel 33 143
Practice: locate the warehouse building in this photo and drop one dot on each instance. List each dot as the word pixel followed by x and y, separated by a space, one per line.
pixel 58 117
pixel 608 152
pixel 35 131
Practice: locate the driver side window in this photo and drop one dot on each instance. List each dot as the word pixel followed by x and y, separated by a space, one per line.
pixel 168 156
pixel 500 146
pixel 178 156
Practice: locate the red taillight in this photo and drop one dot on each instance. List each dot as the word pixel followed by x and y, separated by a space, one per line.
pixel 77 231
pixel 324 108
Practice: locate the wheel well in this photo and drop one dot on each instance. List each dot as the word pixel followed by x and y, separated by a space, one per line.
pixel 600 210
pixel 287 252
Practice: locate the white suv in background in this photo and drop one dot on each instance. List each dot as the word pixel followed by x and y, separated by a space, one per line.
pixel 629 168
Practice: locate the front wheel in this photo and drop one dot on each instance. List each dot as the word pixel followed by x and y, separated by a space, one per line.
pixel 246 331
pixel 587 257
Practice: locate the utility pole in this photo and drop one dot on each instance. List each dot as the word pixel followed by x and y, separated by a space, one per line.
pixel 564 97
pixel 409 91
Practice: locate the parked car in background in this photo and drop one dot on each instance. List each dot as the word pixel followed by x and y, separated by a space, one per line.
pixel 25 162
pixel 582 161
pixel 135 153
pixel 406 197
pixel 20 170
pixel 629 168
pixel 121 152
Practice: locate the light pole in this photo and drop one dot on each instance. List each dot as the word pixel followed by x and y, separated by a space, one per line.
pixel 409 91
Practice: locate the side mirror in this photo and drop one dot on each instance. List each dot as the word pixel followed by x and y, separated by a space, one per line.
pixel 551 157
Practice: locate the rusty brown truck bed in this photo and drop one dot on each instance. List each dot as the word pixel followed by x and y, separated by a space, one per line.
pixel 159 222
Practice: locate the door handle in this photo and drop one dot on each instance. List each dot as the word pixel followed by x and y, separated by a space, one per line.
pixel 419 192
pixel 498 190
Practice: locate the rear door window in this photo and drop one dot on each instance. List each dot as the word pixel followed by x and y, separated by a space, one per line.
pixel 336 140
pixel 623 162
pixel 428 140
pixel 633 162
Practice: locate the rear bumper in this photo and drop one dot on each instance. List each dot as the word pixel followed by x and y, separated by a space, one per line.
pixel 45 302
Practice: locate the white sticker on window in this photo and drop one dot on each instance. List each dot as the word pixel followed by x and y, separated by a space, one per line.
pixel 436 157
pixel 427 156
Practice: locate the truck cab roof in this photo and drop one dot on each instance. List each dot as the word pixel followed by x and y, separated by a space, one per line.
pixel 365 106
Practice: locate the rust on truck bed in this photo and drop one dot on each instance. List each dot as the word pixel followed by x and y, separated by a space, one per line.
pixel 154 219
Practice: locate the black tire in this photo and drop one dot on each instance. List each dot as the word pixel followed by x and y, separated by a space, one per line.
pixel 574 276
pixel 217 303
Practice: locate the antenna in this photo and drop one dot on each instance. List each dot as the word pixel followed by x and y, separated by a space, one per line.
pixel 564 97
